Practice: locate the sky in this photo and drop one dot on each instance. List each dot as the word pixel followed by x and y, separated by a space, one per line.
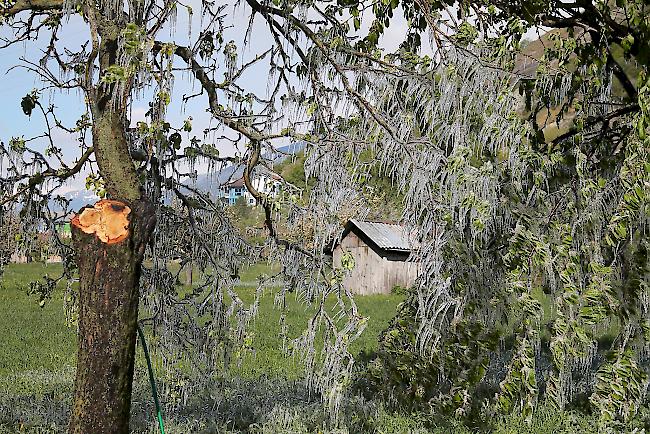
pixel 16 82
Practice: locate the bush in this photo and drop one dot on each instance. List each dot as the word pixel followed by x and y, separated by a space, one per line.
pixel 407 381
pixel 399 290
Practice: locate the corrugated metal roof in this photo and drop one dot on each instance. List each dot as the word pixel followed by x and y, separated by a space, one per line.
pixel 386 236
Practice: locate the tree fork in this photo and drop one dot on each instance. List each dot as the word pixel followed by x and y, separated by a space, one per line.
pixel 110 239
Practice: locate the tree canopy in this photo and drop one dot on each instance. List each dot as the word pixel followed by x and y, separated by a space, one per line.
pixel 518 175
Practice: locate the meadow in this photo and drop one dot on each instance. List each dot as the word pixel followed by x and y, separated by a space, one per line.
pixel 37 355
pixel 262 393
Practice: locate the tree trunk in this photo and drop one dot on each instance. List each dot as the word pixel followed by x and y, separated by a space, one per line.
pixel 109 241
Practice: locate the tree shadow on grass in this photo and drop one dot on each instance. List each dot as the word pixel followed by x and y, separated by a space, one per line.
pixel 234 405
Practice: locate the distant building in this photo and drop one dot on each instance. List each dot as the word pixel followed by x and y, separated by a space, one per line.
pixel 380 252
pixel 63 229
pixel 263 180
pixel 233 190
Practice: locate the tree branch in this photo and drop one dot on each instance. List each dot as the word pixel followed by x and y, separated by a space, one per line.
pixel 31 5
pixel 39 178
pixel 620 74
pixel 592 121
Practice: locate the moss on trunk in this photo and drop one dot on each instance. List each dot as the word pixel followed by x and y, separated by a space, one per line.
pixel 113 158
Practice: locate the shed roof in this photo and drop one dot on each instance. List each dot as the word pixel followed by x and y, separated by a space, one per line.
pixel 385 236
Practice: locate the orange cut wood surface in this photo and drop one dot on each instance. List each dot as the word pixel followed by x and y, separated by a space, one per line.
pixel 108 220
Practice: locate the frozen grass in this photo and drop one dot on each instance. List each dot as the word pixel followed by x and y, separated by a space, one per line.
pixel 38 350
pixel 263 394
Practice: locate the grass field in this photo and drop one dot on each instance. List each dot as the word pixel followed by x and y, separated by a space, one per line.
pixel 37 359
pixel 38 351
pixel 38 343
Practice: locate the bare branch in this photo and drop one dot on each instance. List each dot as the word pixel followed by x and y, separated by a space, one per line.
pixel 31 5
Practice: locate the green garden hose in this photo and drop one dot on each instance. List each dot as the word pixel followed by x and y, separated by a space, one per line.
pixel 152 381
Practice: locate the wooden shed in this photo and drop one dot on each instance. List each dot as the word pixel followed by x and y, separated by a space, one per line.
pixel 380 252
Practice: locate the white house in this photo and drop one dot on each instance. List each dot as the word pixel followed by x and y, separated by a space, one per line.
pixel 264 181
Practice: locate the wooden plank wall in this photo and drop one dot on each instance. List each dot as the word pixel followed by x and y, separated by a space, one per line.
pixel 373 274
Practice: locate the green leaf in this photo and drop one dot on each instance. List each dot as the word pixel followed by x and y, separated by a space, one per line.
pixel 187 124
pixel 28 103
pixel 627 43
pixel 175 140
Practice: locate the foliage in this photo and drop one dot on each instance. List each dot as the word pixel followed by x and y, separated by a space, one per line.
pixel 248 220
pixel 380 194
pixel 292 170
pixel 412 382
pixel 502 211
pixel 512 182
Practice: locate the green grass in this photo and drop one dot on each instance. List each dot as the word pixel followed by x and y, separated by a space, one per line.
pixel 38 351
pixel 36 344
pixel 37 359
pixel 267 356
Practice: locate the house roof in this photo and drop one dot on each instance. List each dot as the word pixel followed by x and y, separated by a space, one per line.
pixel 237 178
pixel 235 184
pixel 385 236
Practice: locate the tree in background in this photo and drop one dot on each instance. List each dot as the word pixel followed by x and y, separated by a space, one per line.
pixel 498 210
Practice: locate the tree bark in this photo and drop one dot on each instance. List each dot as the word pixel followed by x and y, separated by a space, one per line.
pixel 109 272
pixel 109 241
